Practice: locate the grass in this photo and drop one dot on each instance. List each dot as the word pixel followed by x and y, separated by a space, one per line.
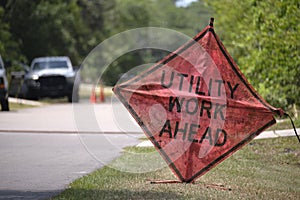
pixel 285 124
pixel 264 169
pixel 54 100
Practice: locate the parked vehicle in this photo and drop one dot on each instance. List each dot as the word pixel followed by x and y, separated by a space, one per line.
pixel 48 77
pixel 3 87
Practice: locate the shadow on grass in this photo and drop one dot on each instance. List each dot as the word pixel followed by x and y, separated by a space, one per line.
pixel 115 194
pixel 18 194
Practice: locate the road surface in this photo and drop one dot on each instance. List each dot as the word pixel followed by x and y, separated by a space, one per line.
pixel 43 149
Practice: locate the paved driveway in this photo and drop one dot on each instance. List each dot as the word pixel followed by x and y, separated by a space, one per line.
pixel 41 151
pixel 83 117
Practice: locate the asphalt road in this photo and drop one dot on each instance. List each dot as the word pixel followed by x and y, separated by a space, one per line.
pixel 43 149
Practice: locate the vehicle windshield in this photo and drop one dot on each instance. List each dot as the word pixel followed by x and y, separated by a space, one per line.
pixel 50 65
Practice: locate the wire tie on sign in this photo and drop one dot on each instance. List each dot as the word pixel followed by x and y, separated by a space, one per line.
pixel 285 114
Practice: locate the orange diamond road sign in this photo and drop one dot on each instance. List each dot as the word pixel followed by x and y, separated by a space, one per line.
pixel 196 106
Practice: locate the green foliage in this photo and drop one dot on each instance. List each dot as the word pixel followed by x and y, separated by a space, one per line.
pixel 129 14
pixel 9 48
pixel 74 27
pixel 45 27
pixel 263 37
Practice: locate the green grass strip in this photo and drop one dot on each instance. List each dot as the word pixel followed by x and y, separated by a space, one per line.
pixel 264 169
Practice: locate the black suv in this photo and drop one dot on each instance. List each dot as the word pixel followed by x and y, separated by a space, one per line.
pixel 3 88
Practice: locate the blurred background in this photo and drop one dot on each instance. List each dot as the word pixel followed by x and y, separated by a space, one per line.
pixel 262 36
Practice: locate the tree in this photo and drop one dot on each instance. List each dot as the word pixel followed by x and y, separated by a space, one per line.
pixel 45 28
pixel 9 48
pixel 129 14
pixel 263 37
pixel 74 27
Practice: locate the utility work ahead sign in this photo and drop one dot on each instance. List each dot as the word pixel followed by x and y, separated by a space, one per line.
pixel 196 106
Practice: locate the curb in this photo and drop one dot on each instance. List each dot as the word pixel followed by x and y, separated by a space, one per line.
pixel 24 101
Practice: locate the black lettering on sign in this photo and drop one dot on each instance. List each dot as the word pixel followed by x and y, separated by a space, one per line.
pixel 183 131
pixel 174 102
pixel 220 134
pixel 192 105
pixel 181 80
pixel 232 89
pixel 206 105
pixel 219 109
pixel 220 83
pixel 166 129
pixel 162 81
pixel 198 86
pixel 209 87
pixel 191 132
pixel 195 84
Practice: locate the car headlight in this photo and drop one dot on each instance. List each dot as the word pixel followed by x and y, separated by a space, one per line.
pixel 35 77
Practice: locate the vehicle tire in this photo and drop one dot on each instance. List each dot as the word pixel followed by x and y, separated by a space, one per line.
pixel 4 105
pixel 28 94
pixel 32 97
pixel 73 98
